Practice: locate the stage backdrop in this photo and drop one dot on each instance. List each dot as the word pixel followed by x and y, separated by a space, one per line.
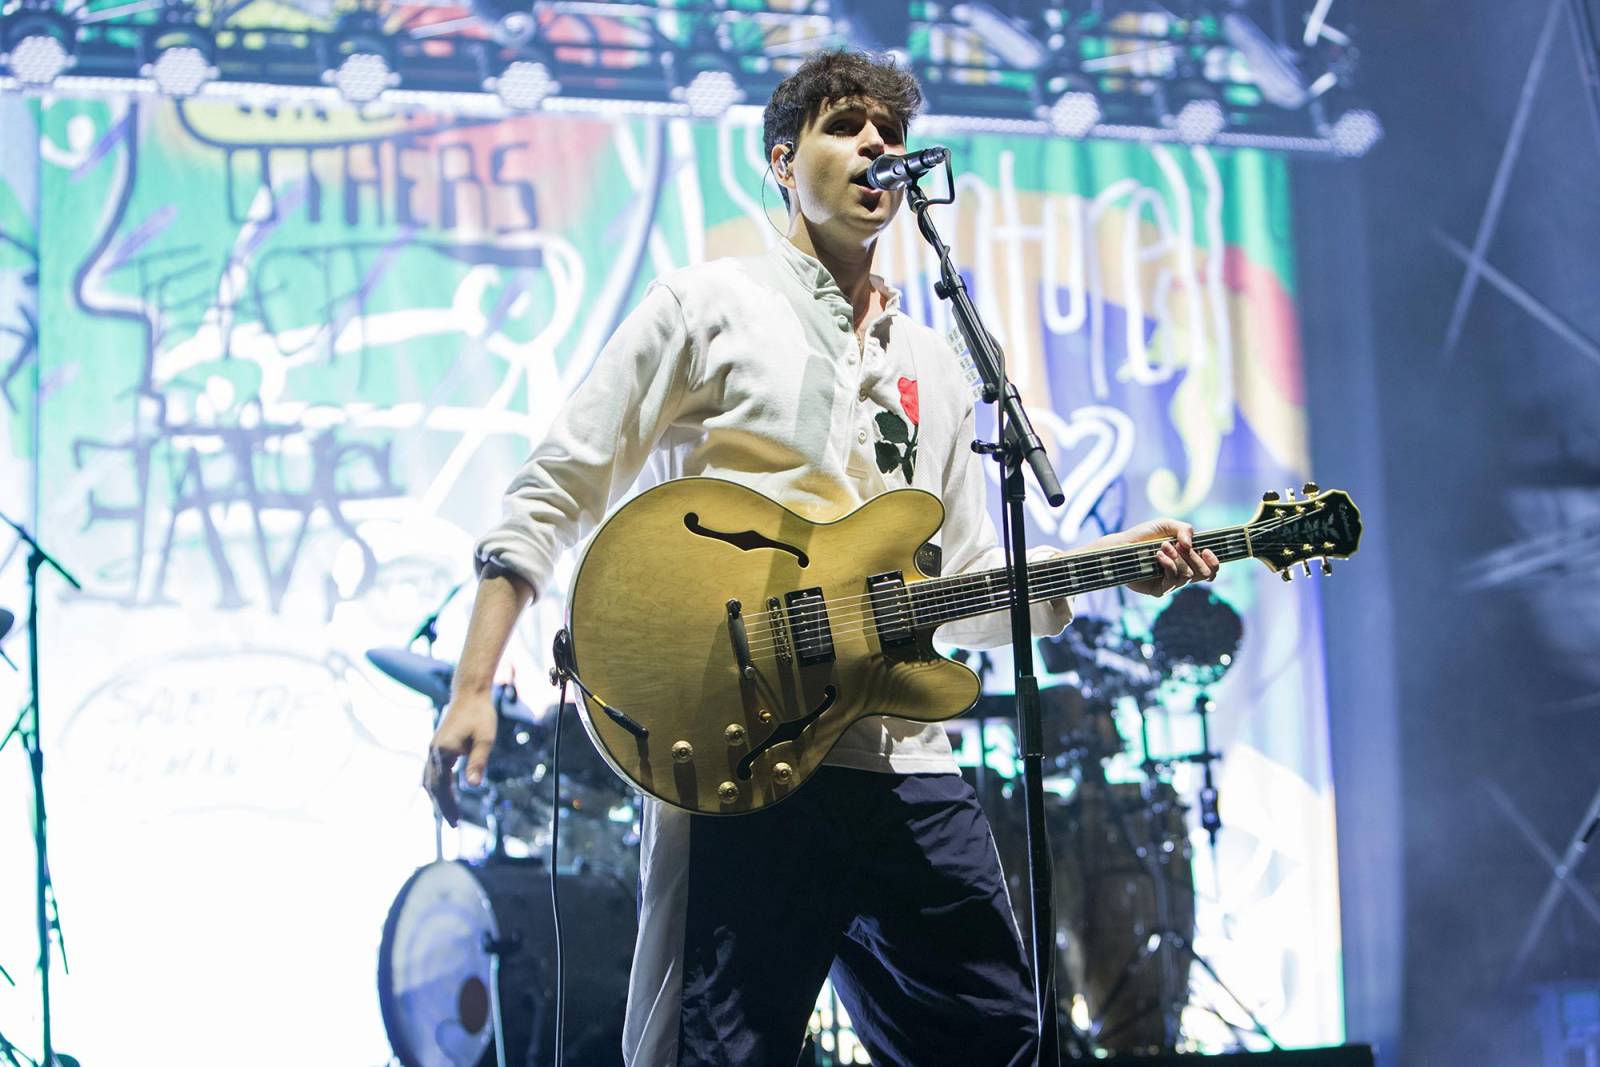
pixel 266 371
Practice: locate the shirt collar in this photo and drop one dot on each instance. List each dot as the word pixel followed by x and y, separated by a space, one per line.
pixel 820 280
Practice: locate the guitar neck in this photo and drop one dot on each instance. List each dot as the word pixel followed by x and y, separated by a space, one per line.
pixel 940 600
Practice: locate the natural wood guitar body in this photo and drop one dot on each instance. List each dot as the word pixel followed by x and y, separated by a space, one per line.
pixel 651 635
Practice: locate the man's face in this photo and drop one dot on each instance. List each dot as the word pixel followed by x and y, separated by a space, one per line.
pixel 828 173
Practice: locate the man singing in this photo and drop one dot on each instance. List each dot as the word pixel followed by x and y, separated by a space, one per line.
pixel 773 371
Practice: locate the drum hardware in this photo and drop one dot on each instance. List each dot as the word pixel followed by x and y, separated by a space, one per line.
pixel 495 948
pixel 1193 640
pixel 432 678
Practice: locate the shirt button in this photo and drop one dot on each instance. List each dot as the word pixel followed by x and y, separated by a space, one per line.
pixel 864 394
pixel 861 436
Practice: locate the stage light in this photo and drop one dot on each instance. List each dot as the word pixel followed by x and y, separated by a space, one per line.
pixel 38 45
pixel 361 77
pixel 1355 133
pixel 712 92
pixel 1075 113
pixel 181 71
pixel 523 85
pixel 183 59
pixel 1199 121
pixel 365 60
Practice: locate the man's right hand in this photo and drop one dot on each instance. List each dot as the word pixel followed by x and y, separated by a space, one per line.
pixel 467 729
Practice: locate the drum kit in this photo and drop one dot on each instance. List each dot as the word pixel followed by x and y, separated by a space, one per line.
pixel 1123 862
pixel 466 966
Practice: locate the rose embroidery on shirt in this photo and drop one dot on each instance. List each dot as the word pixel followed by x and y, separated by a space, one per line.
pixel 898 444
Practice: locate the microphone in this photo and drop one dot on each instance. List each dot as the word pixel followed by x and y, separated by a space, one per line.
pixel 429 627
pixel 896 172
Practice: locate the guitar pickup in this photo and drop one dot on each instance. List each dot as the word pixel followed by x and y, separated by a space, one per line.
pixel 810 636
pixel 891 609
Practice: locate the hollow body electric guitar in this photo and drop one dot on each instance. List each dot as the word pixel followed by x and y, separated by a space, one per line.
pixel 723 643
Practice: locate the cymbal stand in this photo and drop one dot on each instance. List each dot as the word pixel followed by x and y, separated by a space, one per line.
pixel 428 630
pixel 31 734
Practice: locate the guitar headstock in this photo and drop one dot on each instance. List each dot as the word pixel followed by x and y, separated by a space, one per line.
pixel 1323 524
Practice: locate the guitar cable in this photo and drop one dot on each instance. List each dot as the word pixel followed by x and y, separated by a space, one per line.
pixel 564 672
pixel 565 668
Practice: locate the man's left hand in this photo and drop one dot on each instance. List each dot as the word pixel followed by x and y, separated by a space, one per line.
pixel 1180 562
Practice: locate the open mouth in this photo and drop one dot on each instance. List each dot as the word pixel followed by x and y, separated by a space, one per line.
pixel 861 180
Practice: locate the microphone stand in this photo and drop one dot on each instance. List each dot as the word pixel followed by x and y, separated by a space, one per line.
pixel 32 743
pixel 1018 445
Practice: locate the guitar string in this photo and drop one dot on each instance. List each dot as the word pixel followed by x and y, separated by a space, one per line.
pixel 1114 566
pixel 1117 567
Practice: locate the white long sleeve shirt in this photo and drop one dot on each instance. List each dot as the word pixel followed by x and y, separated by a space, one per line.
pixel 749 369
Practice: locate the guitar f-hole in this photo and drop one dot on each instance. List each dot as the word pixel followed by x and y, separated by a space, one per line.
pixel 789 731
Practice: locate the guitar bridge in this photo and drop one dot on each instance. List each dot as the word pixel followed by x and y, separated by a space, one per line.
pixel 780 635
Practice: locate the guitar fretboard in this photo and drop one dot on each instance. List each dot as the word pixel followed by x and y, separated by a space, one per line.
pixel 941 600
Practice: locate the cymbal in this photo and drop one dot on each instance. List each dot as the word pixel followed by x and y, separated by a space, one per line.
pixel 431 677
pixel 428 676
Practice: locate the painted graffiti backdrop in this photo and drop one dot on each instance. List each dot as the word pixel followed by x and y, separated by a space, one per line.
pixel 265 371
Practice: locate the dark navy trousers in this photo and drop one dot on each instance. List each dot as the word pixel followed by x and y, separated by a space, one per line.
pixel 888 883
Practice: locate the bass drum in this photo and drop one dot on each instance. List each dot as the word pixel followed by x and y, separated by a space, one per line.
pixel 435 973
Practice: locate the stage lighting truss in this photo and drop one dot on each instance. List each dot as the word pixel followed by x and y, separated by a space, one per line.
pixel 1205 72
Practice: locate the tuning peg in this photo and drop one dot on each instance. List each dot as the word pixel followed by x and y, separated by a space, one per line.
pixel 1286 574
pixel 1269 496
pixel 1306 563
pixel 1310 489
pixel 1327 568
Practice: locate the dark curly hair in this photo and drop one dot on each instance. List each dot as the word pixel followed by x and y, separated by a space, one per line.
pixel 831 76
